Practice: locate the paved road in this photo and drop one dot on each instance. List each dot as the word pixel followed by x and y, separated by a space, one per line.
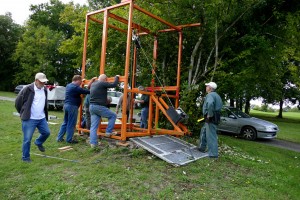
pixel 7 98
pixel 274 142
pixel 281 144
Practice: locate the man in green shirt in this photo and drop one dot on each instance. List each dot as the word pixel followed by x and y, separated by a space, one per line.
pixel 211 112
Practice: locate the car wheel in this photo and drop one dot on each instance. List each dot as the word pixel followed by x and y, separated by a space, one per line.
pixel 249 133
pixel 50 107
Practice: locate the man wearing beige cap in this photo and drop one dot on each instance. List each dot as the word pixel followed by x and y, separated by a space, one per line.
pixel 31 103
pixel 211 112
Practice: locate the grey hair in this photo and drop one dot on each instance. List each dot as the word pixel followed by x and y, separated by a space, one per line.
pixel 141 87
pixel 102 77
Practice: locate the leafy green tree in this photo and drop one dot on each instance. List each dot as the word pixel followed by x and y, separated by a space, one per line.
pixel 41 46
pixel 37 51
pixel 10 34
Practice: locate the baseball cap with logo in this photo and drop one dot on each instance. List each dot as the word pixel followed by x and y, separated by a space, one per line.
pixel 41 77
pixel 213 85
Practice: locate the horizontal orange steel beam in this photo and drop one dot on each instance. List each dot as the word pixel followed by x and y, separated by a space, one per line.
pixel 112 79
pixel 156 17
pixel 136 134
pixel 180 26
pixel 125 21
pixel 109 8
pixel 109 79
pixel 171 96
pixel 166 131
pixel 109 25
pixel 166 88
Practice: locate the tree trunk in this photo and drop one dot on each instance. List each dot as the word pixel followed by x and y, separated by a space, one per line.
pixel 247 106
pixel 216 53
pixel 231 102
pixel 193 60
pixel 241 103
pixel 280 109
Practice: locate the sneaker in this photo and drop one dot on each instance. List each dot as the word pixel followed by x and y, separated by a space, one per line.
pixel 95 145
pixel 27 161
pixel 73 142
pixel 61 140
pixel 201 150
pixel 41 147
pixel 111 134
pixel 213 157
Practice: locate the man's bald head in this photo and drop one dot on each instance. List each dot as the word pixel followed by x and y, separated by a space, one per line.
pixel 102 78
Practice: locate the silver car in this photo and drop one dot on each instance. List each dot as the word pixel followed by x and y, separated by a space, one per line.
pixel 115 96
pixel 235 121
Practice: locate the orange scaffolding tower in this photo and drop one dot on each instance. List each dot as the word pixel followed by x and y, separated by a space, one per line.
pixel 157 104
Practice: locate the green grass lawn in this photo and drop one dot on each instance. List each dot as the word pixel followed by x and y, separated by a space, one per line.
pixel 289 125
pixel 245 170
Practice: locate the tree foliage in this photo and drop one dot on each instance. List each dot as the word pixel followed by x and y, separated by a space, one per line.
pixel 10 34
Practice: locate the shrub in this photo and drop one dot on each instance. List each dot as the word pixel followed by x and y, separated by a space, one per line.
pixel 190 98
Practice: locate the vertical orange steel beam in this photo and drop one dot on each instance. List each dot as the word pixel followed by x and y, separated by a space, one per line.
pixel 156 116
pixel 155 44
pixel 84 46
pixel 104 42
pixel 178 67
pixel 150 116
pixel 83 64
pixel 127 64
pixel 154 62
pixel 133 81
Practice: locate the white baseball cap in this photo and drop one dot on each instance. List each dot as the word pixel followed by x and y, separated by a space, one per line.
pixel 213 85
pixel 41 77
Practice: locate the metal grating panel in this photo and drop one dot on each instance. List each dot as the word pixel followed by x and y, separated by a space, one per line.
pixel 171 149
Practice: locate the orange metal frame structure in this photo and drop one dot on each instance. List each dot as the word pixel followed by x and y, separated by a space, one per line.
pixel 157 104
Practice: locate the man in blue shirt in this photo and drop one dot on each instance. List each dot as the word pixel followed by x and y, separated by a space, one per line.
pixel 71 105
pixel 211 112
pixel 144 101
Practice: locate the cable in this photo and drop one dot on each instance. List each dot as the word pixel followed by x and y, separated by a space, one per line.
pixel 136 40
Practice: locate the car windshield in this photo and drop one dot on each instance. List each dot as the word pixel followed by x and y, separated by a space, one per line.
pixel 239 113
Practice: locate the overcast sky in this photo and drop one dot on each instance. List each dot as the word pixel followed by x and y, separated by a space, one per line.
pixel 20 8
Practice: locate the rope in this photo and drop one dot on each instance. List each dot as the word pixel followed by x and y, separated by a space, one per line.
pixel 136 39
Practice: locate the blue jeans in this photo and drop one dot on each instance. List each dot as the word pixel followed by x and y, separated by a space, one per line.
pixel 28 128
pixel 209 138
pixel 144 117
pixel 96 113
pixel 70 119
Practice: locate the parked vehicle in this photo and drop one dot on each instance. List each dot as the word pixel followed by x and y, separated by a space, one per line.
pixel 56 97
pixel 19 88
pixel 235 121
pixel 115 96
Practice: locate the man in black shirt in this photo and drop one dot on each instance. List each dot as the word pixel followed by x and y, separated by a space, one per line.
pixel 98 107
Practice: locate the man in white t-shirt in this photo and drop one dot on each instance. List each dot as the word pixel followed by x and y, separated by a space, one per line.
pixel 31 103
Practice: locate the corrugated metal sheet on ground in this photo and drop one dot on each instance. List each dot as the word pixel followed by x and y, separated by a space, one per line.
pixel 169 148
